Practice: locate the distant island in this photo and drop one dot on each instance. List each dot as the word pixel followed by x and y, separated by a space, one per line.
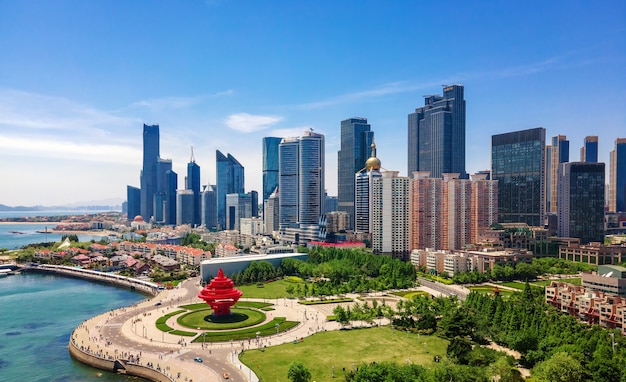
pixel 5 208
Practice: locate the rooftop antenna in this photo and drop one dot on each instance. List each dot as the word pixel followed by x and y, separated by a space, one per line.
pixel 192 160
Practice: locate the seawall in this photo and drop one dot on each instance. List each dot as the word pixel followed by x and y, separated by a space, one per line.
pixel 146 287
pixel 114 365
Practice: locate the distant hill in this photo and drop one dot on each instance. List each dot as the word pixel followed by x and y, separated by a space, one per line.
pixel 114 204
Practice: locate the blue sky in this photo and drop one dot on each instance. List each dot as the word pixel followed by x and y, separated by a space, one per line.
pixel 79 78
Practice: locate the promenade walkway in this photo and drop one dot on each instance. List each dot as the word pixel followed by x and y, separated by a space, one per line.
pixel 130 334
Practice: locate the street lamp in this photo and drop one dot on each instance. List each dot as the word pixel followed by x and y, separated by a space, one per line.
pixel 277 326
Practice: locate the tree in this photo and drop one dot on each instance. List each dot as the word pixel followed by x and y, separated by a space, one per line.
pixel 561 367
pixel 298 372
pixel 459 350
pixel 502 371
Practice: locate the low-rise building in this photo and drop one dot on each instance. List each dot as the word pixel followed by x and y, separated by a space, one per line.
pixel 594 253
pixel 589 305
pixel 608 279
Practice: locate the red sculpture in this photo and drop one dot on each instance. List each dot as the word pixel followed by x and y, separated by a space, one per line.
pixel 221 294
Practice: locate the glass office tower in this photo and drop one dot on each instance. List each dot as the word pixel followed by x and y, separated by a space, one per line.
pixel 581 201
pixel 270 165
pixel 589 151
pixel 149 172
pixel 356 139
pixel 436 134
pixel 230 180
pixel 518 164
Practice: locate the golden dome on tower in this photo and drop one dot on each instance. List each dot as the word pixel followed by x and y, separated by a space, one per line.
pixel 373 163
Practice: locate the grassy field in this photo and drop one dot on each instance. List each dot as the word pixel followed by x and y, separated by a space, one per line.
pixel 343 349
pixel 544 283
pixel 202 319
pixel 520 285
pixel 410 294
pixel 275 289
pixel 489 290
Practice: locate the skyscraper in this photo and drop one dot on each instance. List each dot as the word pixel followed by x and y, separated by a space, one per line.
pixel 311 175
pixel 301 184
pixel 617 187
pixel 165 197
pixel 436 134
pixel 149 171
pixel 356 139
pixel 556 154
pixel 185 207
pixel 581 201
pixel 390 214
pixel 192 182
pixel 271 219
pixel 237 206
pixel 209 207
pixel 270 165
pixel 363 193
pixel 230 180
pixel 133 196
pixel 518 164
pixel 589 151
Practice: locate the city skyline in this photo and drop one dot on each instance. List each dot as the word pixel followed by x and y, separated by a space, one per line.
pixel 78 81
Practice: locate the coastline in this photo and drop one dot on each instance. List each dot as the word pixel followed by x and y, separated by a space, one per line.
pixel 3 222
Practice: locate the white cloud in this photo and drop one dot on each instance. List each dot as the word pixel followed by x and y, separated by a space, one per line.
pixel 289 132
pixel 165 103
pixel 36 112
pixel 63 148
pixel 248 123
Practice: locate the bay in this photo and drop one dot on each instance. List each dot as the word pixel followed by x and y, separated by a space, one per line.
pixel 37 315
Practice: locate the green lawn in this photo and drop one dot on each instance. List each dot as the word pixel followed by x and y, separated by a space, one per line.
pixel 520 285
pixel 343 349
pixel 410 294
pixel 266 329
pixel 486 289
pixel 275 289
pixel 202 319
pixel 544 283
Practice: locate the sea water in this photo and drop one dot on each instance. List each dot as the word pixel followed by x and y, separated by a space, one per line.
pixel 37 315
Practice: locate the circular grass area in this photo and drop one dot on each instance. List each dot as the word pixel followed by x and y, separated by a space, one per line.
pixel 204 319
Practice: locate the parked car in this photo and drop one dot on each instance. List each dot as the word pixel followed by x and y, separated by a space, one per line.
pixel 198 359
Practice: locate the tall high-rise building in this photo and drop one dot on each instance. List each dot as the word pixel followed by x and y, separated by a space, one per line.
pixel 149 170
pixel 165 197
pixel 185 204
pixel 209 207
pixel 581 201
pixel 356 139
pixel 518 164
pixel 556 154
pixel 192 182
pixel 301 183
pixel 390 215
pixel 457 212
pixel 271 218
pixel 589 151
pixel 311 176
pixel 363 202
pixel 426 218
pixel 330 204
pixel 237 206
pixel 133 197
pixel 450 213
pixel 617 186
pixel 230 180
pixel 270 165
pixel 288 182
pixel 436 134
pixel 484 204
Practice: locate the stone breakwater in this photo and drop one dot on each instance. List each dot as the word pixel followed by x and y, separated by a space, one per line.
pixel 108 278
